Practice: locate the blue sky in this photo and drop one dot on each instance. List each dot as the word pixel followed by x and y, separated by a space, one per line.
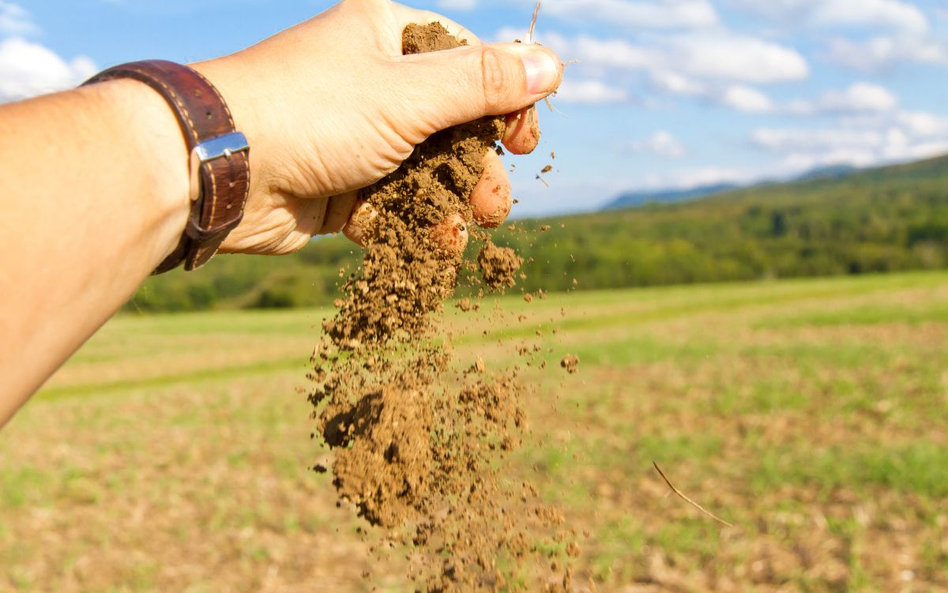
pixel 663 93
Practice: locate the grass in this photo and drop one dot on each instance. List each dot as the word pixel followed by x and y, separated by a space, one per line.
pixel 171 453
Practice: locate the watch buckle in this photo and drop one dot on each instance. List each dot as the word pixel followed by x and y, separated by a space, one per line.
pixel 212 149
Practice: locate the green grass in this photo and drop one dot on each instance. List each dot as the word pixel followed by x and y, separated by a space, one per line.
pixel 172 452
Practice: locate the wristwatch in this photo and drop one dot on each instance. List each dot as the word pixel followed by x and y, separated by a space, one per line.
pixel 219 162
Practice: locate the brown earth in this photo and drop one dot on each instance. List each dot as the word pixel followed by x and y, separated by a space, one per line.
pixel 419 443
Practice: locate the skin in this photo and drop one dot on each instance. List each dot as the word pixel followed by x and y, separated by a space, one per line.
pixel 330 106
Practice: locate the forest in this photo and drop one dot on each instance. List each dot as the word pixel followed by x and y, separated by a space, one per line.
pixel 871 221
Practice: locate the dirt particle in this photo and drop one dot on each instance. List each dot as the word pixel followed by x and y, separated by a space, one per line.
pixel 570 362
pixel 499 266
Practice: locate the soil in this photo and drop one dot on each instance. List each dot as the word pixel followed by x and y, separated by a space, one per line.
pixel 499 266
pixel 419 440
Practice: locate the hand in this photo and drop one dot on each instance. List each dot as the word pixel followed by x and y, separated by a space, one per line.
pixel 332 106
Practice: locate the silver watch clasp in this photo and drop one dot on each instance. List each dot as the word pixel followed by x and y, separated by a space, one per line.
pixel 215 148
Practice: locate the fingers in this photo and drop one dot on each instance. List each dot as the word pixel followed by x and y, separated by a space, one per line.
pixel 452 87
pixel 360 222
pixel 491 199
pixel 523 131
pixel 338 213
pixel 450 235
pixel 491 202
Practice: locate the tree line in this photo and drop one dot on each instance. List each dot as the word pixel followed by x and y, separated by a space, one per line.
pixel 876 221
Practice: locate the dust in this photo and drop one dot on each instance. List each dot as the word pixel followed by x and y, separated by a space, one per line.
pixel 419 440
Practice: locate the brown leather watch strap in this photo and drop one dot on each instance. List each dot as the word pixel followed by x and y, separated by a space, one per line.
pixel 218 152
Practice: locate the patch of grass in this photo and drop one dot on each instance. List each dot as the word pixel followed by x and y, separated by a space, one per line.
pixel 917 467
pixel 782 406
pixel 864 315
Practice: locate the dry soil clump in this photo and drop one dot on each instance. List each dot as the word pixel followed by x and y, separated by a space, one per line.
pixel 418 438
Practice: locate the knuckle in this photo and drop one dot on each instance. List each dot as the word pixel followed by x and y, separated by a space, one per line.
pixel 495 78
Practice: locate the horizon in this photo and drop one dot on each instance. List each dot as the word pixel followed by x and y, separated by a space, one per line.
pixel 666 94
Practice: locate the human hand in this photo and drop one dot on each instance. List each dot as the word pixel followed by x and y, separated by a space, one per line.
pixel 331 106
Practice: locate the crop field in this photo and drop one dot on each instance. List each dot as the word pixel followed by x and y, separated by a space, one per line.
pixel 172 453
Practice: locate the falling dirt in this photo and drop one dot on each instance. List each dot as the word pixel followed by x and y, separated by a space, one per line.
pixel 570 362
pixel 420 440
pixel 499 266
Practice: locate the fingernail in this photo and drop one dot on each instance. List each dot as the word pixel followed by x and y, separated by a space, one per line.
pixel 542 72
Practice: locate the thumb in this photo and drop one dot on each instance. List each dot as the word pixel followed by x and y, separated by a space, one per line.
pixel 460 85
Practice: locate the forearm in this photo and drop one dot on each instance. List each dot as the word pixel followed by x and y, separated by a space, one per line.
pixel 93 196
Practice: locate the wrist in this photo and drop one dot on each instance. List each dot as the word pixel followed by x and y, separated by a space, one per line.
pixel 149 131
pixel 219 72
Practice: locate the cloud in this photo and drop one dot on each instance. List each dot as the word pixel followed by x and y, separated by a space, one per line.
pixel 734 57
pixel 746 99
pixel 28 69
pixel 691 177
pixel 861 140
pixel 870 13
pixel 661 143
pixel 15 20
pixel 861 97
pixel 882 52
pixel 590 92
pixel 660 14
pixel 676 58
pixel 878 14
pixel 677 84
pixel 715 67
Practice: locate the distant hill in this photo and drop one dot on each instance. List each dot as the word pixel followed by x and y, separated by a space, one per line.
pixel 641 198
pixel 830 172
pixel 838 222
pixel 635 199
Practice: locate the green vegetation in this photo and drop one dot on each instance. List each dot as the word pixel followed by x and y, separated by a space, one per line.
pixel 172 453
pixel 884 220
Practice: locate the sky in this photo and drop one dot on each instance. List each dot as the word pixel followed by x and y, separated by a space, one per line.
pixel 658 93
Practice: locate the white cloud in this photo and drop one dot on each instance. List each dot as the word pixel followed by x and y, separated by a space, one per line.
pixel 589 92
pixel 882 52
pixel 28 69
pixel 863 140
pixel 15 20
pixel 809 140
pixel 656 14
pixel 878 14
pixel 677 84
pixel 457 4
pixel 861 97
pixel 747 99
pixel 734 57
pixel 682 63
pixel 715 67
pixel 661 143
pixel 871 13
pixel 688 178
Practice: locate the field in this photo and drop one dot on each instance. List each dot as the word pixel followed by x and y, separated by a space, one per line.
pixel 171 453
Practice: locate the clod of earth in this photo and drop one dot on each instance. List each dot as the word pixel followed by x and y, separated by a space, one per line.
pixel 419 442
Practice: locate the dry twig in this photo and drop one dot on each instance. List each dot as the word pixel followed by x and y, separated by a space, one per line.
pixel 533 22
pixel 688 500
